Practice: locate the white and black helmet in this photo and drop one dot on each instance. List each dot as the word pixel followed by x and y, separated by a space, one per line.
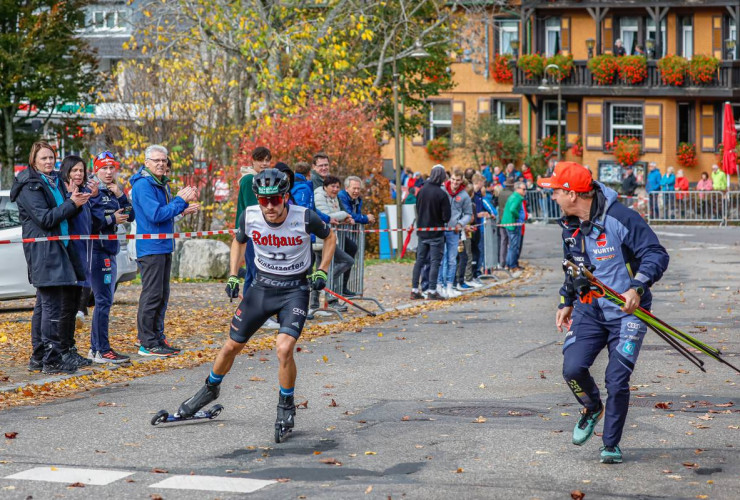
pixel 270 182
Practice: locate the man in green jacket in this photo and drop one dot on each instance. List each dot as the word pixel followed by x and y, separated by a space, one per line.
pixel 511 214
pixel 719 183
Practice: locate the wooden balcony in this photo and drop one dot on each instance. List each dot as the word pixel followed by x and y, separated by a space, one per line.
pixel 725 85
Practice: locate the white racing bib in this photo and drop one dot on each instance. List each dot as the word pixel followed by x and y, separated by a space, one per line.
pixel 283 249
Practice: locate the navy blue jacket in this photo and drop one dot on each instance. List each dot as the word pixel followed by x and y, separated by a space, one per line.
pixel 82 224
pixel 156 210
pixel 103 207
pixel 302 193
pixel 352 207
pixel 622 248
pixel 50 263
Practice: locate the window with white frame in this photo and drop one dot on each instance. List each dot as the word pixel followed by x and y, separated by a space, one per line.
pixel 552 36
pixel 550 118
pixel 440 119
pixel 625 120
pixel 652 35
pixel 108 20
pixel 508 113
pixel 687 38
pixel 507 31
pixel 628 33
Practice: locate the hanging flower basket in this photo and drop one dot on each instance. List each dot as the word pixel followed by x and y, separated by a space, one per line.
pixel 577 149
pixel 562 61
pixel 438 149
pixel 603 68
pixel 703 68
pixel 632 69
pixel 626 150
pixel 686 154
pixel 502 69
pixel 533 65
pixel 673 70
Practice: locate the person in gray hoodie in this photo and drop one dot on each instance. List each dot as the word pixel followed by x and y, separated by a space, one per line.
pixel 461 215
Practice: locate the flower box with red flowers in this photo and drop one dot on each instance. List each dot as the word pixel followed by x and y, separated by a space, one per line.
pixel 565 64
pixel 673 70
pixel 603 68
pixel 438 149
pixel 577 149
pixel 703 69
pixel 632 69
pixel 502 69
pixel 626 150
pixel 686 155
pixel 533 65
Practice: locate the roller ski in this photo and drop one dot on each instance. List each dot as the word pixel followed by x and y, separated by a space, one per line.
pixel 191 409
pixel 285 418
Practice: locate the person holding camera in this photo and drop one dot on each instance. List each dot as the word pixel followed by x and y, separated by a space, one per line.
pixel 109 208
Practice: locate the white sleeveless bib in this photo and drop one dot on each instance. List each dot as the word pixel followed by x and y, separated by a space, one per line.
pixel 285 249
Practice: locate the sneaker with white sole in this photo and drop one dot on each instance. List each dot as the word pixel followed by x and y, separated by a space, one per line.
pixel 442 291
pixel 463 287
pixel 109 357
pixel 452 293
pixel 160 351
pixel 474 284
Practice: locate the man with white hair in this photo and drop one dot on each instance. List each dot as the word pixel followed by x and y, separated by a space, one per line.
pixel 156 210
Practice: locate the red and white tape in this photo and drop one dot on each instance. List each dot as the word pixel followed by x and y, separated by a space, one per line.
pixel 194 234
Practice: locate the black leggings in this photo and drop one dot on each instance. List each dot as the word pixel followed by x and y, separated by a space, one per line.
pixel 262 300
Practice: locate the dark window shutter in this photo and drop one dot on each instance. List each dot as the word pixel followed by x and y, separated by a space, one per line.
pixel 608 38
pixel 458 123
pixel 565 35
pixel 652 128
pixel 421 136
pixel 572 123
pixel 717 38
pixel 707 128
pixel 594 126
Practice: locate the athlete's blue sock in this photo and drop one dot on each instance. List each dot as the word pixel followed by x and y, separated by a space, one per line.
pixel 287 392
pixel 214 379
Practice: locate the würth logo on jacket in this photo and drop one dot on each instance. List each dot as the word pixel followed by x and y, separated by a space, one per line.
pixel 601 240
pixel 276 241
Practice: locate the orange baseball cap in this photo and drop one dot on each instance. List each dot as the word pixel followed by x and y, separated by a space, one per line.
pixel 570 176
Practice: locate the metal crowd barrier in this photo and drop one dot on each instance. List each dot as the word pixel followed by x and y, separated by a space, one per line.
pixel 356 281
pixel 690 206
pixel 540 205
pixel 489 259
pixel 732 207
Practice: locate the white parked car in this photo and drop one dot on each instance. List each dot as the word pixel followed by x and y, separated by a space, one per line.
pixel 13 269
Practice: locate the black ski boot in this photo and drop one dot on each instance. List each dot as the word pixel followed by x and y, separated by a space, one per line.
pixel 205 395
pixel 285 417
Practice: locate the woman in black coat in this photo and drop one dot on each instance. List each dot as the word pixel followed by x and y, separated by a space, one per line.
pixel 45 208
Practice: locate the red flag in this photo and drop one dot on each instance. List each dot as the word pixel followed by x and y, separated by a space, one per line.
pixel 729 141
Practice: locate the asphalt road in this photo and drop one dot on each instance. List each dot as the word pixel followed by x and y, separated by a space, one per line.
pixel 407 421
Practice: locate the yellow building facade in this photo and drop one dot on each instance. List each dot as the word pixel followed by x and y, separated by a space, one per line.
pixel 658 114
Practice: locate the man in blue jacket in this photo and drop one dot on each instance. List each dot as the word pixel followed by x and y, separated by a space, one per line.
pixel 108 208
pixel 623 252
pixel 652 186
pixel 155 213
pixel 351 202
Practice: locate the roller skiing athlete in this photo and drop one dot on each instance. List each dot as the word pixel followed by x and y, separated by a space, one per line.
pixel 615 244
pixel 282 242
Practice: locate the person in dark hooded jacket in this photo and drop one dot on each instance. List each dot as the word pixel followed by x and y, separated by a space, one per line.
pixel 433 209
pixel 53 266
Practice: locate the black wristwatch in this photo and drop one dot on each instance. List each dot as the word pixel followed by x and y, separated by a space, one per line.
pixel 639 289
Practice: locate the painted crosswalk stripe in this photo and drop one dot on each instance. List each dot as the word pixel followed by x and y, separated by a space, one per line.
pixel 212 483
pixel 99 477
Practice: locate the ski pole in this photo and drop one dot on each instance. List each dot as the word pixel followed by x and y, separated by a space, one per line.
pixel 651 319
pixel 331 292
pixel 665 326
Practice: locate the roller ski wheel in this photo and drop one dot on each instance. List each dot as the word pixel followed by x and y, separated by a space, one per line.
pixel 164 417
pixel 281 432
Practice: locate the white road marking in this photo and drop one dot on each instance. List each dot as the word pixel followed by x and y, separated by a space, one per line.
pixel 690 249
pixel 212 483
pixel 98 477
pixel 678 235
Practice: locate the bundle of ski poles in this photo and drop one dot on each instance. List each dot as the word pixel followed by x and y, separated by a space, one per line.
pixel 673 336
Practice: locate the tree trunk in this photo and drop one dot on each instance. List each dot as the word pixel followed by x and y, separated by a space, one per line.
pixel 7 151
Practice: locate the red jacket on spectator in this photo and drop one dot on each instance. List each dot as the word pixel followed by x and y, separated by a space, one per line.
pixel 682 184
